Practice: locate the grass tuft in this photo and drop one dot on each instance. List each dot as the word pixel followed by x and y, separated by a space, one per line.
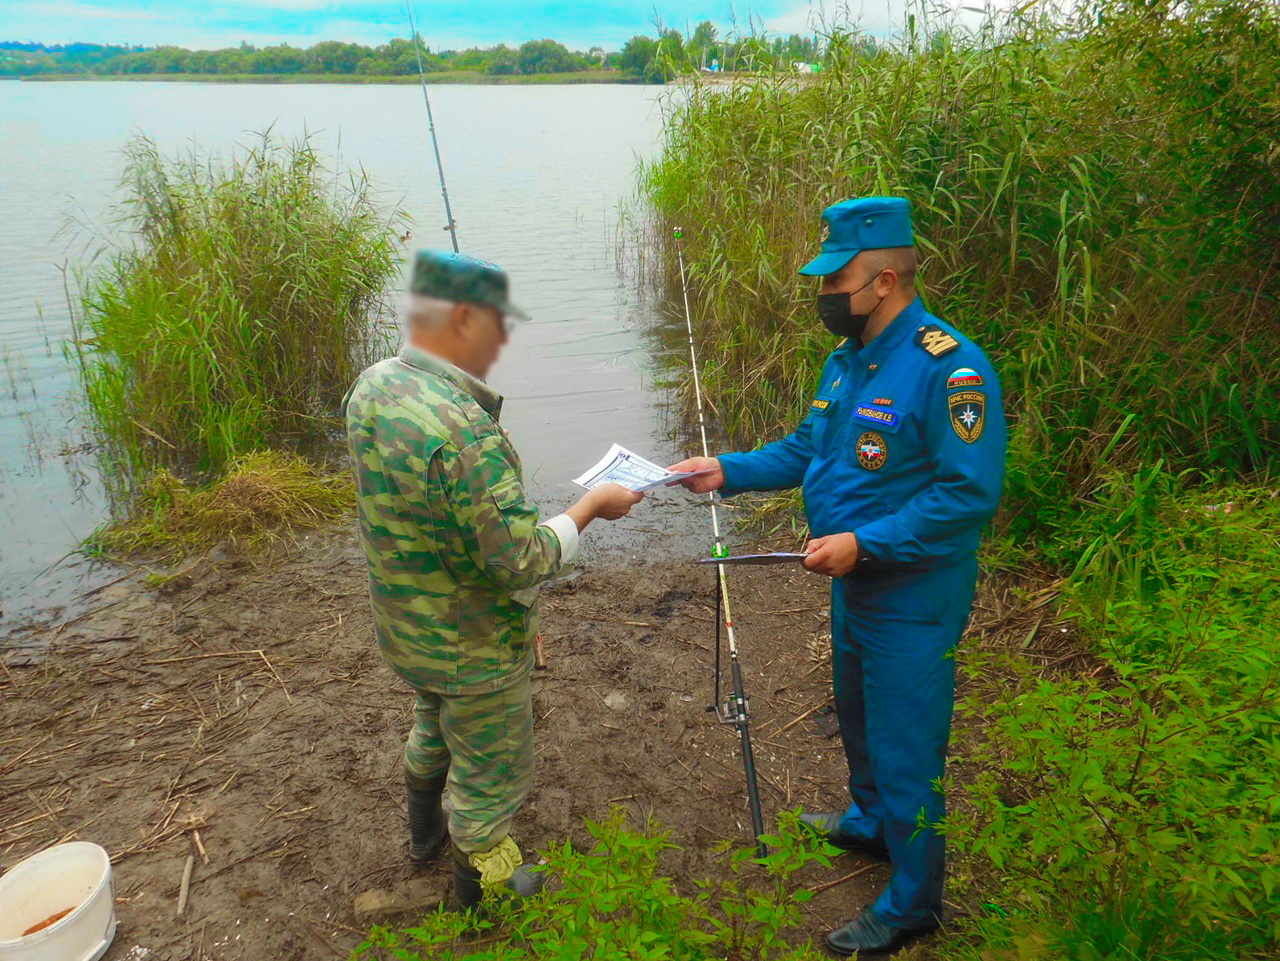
pixel 264 496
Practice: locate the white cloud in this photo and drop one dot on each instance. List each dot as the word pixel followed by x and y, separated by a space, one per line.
pixel 224 23
pixel 879 17
pixel 288 5
pixel 77 11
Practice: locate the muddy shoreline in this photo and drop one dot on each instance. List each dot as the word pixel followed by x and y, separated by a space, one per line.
pixel 241 714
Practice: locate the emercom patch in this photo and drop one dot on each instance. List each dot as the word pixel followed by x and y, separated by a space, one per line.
pixel 968 414
pixel 872 450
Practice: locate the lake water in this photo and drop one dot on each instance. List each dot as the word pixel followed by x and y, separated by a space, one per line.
pixel 537 177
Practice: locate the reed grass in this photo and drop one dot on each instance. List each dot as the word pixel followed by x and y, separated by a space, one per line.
pixel 1097 202
pixel 246 301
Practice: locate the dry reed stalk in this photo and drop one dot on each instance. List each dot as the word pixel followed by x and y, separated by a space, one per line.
pixel 794 721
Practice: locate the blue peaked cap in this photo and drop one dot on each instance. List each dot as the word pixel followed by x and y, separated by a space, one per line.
pixel 863 223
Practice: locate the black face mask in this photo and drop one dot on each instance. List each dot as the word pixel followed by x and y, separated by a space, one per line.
pixel 834 312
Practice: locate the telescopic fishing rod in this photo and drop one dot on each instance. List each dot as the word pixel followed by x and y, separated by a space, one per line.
pixel 733 710
pixel 431 126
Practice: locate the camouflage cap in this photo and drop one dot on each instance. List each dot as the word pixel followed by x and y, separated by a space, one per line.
pixel 462 279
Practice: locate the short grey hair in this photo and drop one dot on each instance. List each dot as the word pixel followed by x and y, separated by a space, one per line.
pixel 426 312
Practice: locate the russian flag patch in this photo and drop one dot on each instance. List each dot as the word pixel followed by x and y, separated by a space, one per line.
pixel 964 377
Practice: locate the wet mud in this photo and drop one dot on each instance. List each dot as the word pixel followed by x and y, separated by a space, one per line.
pixel 241 715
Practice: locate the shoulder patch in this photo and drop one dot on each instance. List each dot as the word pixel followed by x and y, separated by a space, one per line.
pixel 968 414
pixel 936 341
pixel 964 377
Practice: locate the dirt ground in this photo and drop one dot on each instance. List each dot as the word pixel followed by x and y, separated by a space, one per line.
pixel 242 715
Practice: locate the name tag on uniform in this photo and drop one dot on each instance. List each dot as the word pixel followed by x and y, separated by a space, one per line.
pixel 820 405
pixel 877 415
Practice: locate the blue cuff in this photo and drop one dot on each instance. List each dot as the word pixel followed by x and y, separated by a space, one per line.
pixel 734 468
pixel 874 539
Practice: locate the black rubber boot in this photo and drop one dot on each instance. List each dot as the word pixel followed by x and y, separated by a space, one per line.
pixel 427 828
pixel 827 827
pixel 468 893
pixel 867 935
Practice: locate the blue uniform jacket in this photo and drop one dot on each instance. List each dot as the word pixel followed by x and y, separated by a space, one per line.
pixel 904 445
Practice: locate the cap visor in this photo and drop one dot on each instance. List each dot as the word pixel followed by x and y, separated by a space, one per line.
pixel 511 310
pixel 827 262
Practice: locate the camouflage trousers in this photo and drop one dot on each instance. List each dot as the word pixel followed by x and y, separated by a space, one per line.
pixel 485 743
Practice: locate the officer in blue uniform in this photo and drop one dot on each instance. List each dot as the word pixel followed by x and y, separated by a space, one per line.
pixel 901 459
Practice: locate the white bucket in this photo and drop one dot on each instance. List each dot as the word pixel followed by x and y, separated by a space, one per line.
pixel 76 876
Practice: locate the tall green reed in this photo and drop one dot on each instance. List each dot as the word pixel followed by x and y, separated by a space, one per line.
pixel 245 303
pixel 1097 202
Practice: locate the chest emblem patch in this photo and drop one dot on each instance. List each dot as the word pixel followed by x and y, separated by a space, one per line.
pixel 872 450
pixel 968 414
pixel 964 377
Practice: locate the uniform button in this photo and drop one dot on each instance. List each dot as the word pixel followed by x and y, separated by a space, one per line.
pixel 873 367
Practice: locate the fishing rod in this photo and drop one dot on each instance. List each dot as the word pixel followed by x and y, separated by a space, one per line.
pixel 431 126
pixel 733 710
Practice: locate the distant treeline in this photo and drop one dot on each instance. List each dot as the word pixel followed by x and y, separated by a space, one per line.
pixel 653 59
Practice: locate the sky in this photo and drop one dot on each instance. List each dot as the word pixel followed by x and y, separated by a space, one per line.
pixel 444 24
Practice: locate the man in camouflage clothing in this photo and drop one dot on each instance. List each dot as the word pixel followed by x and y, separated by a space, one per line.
pixel 456 553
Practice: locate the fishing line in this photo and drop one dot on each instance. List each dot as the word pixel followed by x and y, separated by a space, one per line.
pixel 733 711
pixel 452 227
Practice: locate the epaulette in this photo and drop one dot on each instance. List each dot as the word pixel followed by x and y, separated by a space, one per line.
pixel 936 341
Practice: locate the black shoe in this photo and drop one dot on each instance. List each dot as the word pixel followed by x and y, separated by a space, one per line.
pixel 827 827
pixel 427 828
pixel 867 935
pixel 468 892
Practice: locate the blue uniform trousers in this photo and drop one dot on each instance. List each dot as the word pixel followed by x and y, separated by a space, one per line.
pixel 893 635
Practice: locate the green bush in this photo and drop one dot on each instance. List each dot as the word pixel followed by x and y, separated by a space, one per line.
pixel 611 903
pixel 1141 798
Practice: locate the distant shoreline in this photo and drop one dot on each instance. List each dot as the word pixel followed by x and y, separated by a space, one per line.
pixel 443 76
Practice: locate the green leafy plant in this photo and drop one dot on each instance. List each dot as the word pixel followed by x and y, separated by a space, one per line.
pixel 1141 798
pixel 612 902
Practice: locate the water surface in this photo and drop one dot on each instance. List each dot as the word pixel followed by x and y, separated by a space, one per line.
pixel 537 176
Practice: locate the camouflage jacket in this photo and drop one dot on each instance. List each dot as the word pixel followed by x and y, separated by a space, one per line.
pixel 455 549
